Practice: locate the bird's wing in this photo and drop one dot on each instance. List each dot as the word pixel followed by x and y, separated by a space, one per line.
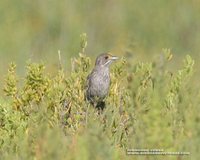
pixel 87 84
pixel 89 79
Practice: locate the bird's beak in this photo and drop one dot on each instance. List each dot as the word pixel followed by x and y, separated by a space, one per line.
pixel 114 58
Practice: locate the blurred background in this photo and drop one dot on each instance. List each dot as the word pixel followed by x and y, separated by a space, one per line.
pixel 38 29
pixel 136 29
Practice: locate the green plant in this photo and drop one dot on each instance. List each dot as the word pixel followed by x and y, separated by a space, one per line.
pixel 47 117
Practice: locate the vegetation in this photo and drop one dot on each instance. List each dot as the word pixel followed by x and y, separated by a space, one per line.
pixel 47 117
pixel 154 96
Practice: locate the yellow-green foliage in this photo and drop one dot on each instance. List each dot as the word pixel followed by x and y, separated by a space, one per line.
pixel 47 117
pixel 151 104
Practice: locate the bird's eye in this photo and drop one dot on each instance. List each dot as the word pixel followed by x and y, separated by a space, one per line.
pixel 106 57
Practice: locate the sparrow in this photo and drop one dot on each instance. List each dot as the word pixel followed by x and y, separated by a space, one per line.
pixel 98 81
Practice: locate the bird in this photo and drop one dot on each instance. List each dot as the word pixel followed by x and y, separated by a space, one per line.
pixel 98 81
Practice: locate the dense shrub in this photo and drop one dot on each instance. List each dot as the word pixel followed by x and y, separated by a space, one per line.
pixel 45 116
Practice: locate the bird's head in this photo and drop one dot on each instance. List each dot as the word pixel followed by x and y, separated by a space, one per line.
pixel 105 59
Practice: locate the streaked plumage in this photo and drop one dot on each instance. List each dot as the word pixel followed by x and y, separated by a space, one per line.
pixel 98 81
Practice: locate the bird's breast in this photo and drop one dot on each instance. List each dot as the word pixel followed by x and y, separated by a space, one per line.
pixel 100 82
